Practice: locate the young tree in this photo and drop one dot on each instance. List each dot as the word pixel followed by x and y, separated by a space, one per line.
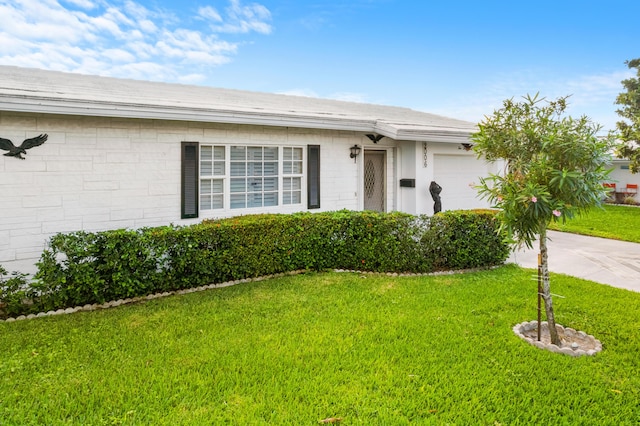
pixel 630 131
pixel 554 168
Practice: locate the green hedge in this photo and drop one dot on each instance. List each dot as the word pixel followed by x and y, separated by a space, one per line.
pixel 81 267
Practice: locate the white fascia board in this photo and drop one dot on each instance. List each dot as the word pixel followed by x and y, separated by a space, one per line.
pixel 431 134
pixel 435 136
pixel 395 131
pixel 97 109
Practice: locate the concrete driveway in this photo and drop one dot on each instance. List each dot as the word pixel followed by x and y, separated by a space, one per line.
pixel 616 263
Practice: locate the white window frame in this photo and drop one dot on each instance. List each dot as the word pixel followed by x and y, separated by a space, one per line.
pixel 288 172
pixel 213 177
pixel 226 209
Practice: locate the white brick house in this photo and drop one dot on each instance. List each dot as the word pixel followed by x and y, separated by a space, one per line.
pixel 125 154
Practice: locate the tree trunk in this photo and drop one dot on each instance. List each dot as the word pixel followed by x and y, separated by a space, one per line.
pixel 546 287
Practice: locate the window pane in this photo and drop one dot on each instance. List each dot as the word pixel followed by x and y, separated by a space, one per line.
pixel 237 153
pixel 238 169
pixel 217 202
pixel 217 186
pixel 254 200
pixel 254 185
pixel 296 197
pixel 286 184
pixel 270 184
pixel 205 186
pixel 238 201
pixel 271 199
pixel 271 169
pixel 297 154
pixel 205 169
pixel 286 198
pixel 296 183
pixel 287 154
pixel 286 168
pixel 205 202
pixel 238 185
pixel 206 153
pixel 254 153
pixel 296 168
pixel 218 152
pixel 254 169
pixel 271 154
pixel 218 168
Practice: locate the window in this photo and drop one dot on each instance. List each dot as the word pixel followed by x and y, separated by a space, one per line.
pixel 212 173
pixel 292 175
pixel 227 177
pixel 254 176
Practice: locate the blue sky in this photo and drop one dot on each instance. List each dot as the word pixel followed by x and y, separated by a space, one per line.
pixel 455 58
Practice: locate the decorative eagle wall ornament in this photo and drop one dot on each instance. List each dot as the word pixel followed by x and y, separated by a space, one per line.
pixel 17 151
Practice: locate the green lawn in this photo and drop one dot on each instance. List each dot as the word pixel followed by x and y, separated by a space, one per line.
pixel 370 349
pixel 616 222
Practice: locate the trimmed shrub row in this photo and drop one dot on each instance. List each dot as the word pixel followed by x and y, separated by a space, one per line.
pixel 81 267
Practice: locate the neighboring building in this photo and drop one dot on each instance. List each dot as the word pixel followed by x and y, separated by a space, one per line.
pixel 626 183
pixel 125 154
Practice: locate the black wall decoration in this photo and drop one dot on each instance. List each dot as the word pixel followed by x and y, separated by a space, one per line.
pixel 17 151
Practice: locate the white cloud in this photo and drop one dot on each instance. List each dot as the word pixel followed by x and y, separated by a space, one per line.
pixel 241 19
pixel 192 78
pixel 209 12
pixel 83 4
pixel 120 55
pixel 121 38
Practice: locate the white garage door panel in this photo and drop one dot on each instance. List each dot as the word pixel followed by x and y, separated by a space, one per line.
pixel 456 174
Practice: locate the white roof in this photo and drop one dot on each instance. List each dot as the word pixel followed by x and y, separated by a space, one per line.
pixel 53 92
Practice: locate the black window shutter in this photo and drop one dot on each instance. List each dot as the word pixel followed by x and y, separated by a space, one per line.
pixel 313 176
pixel 189 180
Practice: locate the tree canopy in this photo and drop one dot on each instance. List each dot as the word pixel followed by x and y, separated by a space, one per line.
pixel 554 165
pixel 629 129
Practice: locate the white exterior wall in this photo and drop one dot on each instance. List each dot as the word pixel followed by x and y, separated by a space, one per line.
pixel 418 160
pixel 98 173
pixel 409 163
pixel 621 175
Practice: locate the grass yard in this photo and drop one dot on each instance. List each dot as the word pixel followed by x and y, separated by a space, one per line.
pixel 616 222
pixel 369 349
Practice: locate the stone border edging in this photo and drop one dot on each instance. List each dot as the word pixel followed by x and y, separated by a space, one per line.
pixel 528 329
pixel 119 302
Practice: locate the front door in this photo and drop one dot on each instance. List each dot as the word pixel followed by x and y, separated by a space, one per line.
pixel 374 180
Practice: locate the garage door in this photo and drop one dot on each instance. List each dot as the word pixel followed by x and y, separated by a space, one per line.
pixel 455 174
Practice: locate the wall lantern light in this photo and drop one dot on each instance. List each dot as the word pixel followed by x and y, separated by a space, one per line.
pixel 355 151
